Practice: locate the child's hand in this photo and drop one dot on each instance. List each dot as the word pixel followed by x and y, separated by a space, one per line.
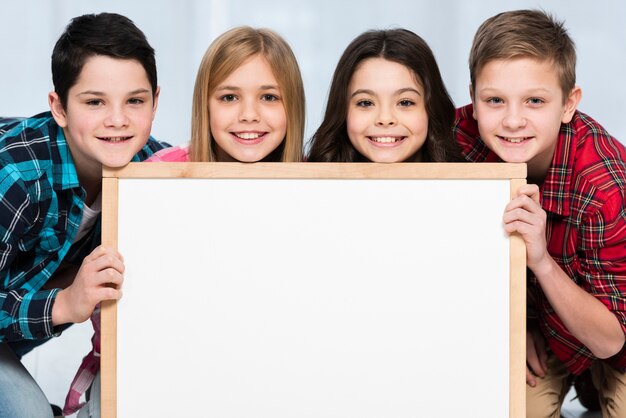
pixel 536 357
pixel 525 216
pixel 99 278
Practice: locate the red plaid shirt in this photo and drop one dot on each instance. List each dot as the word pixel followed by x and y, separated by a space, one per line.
pixel 584 196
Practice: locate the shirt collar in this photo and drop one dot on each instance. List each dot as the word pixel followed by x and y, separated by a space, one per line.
pixel 63 168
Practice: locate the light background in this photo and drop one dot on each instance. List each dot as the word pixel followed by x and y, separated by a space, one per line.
pixel 318 31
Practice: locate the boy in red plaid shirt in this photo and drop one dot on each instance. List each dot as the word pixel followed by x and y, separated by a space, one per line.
pixel 571 215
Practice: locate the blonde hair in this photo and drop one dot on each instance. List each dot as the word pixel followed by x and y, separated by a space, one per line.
pixel 229 51
pixel 525 34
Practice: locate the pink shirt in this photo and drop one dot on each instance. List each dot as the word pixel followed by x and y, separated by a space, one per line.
pixel 177 154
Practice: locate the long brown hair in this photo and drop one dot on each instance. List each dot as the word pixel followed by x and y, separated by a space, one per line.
pixel 331 143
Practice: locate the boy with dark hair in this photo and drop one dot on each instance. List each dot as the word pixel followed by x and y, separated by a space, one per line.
pixel 52 271
pixel 572 215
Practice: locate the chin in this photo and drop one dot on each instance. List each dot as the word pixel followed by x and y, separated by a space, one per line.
pixel 117 162
pixel 385 159
pixel 250 158
pixel 508 158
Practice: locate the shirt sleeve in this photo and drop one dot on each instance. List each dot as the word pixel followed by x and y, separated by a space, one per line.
pixel 603 241
pixel 24 312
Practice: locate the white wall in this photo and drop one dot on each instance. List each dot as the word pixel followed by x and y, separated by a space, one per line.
pixel 318 31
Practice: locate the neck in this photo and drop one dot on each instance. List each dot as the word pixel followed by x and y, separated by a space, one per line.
pixel 92 187
pixel 90 179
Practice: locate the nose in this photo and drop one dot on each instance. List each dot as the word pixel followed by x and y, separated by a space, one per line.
pixel 249 111
pixel 514 118
pixel 117 117
pixel 385 117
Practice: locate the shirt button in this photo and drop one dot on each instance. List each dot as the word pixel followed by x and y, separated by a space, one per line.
pixel 75 210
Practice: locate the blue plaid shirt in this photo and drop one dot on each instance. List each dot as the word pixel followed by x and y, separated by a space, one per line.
pixel 41 206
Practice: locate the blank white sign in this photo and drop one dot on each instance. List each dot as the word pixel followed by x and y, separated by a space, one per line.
pixel 313 298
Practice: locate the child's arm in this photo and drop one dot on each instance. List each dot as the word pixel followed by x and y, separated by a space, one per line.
pixel 24 310
pixel 586 318
pixel 74 304
pixel 27 309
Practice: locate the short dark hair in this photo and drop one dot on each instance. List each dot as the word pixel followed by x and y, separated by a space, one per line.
pixel 107 34
pixel 331 143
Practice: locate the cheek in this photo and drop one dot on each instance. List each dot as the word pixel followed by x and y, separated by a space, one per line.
pixel 354 125
pixel 485 123
pixel 78 128
pixel 218 120
pixel 274 119
pixel 421 124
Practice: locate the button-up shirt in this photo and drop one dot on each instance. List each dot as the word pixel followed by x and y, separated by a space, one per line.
pixel 584 196
pixel 41 205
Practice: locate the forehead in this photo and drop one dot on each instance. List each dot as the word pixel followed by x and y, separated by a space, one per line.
pixel 382 72
pixel 105 73
pixel 518 73
pixel 254 70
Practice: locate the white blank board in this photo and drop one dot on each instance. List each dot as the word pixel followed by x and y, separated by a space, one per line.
pixel 313 298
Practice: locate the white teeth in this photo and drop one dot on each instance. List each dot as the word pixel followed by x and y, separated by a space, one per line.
pixel 514 140
pixel 248 135
pixel 384 139
pixel 115 138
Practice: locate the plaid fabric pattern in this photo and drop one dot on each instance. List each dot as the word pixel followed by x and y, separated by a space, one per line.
pixel 584 196
pixel 41 205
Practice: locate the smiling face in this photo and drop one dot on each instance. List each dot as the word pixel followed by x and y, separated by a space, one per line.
pixel 387 120
pixel 519 107
pixel 247 116
pixel 108 115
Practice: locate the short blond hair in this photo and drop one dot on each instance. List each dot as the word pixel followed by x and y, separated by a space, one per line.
pixel 227 53
pixel 525 34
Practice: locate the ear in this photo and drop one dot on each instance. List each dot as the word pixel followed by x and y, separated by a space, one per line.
pixel 571 104
pixel 155 101
pixel 56 107
pixel 471 92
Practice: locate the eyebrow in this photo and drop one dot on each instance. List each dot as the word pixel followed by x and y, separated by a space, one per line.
pixel 263 87
pixel 531 91
pixel 101 93
pixel 399 91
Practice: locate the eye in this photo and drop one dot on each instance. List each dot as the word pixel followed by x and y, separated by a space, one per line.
pixel 228 98
pixel 494 100
pixel 536 101
pixel 270 97
pixel 94 102
pixel 136 101
pixel 364 103
pixel 406 103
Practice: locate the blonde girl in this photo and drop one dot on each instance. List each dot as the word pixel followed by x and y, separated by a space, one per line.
pixel 248 102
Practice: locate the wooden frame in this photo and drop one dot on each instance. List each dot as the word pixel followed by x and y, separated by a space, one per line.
pixel 515 173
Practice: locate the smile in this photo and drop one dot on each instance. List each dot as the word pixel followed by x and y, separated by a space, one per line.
pixel 248 135
pixel 386 139
pixel 249 138
pixel 515 140
pixel 114 138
